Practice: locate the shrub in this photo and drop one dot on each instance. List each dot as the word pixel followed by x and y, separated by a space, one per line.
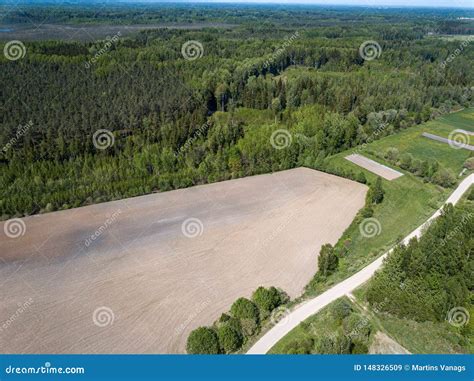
pixel 392 154
pixel 327 260
pixel 338 344
pixel 340 309
pixel 230 339
pixel 469 163
pixel 358 348
pixel 249 327
pixel 357 327
pixel 376 192
pixel 223 318
pixel 416 167
pixel 367 212
pixel 433 167
pixel 299 347
pixel 406 161
pixel 471 195
pixel 203 340
pixel 361 178
pixel 444 178
pixel 266 299
pixel 244 309
pixel 425 169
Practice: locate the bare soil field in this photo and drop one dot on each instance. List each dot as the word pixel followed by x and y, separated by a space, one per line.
pixel 374 167
pixel 137 275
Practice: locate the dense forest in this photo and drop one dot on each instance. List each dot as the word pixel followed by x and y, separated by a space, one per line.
pixel 89 122
pixel 430 279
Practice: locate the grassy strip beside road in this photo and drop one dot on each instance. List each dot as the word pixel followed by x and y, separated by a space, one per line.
pixel 409 200
pixel 415 298
pixel 408 203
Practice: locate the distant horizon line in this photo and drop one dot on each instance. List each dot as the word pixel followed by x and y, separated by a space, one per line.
pixel 246 2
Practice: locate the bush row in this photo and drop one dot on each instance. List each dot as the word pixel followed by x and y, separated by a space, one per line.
pixel 429 170
pixel 233 329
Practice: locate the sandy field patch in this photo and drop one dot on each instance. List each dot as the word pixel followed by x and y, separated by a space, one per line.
pixel 137 275
pixel 374 167
pixel 385 345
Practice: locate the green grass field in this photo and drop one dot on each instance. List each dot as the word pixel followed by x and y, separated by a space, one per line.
pixel 411 141
pixel 408 202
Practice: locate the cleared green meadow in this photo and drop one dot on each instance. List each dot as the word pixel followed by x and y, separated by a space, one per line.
pixel 408 202
pixel 411 141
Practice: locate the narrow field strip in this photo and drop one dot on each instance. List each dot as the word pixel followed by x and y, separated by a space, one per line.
pixel 374 167
pixel 453 143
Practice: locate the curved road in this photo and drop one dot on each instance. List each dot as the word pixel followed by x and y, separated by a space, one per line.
pixel 312 306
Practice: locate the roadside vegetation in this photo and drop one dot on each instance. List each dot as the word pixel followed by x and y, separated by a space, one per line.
pixel 422 297
pixel 340 328
pixel 408 201
pixel 242 323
